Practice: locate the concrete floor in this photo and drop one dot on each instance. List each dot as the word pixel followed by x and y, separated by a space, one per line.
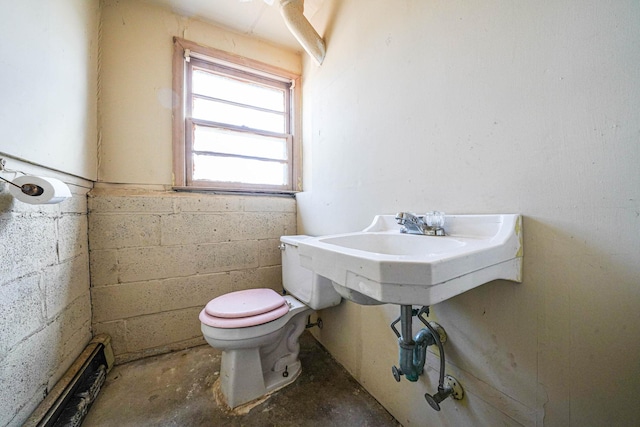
pixel 176 389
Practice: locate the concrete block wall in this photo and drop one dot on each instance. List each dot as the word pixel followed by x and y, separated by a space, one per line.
pixel 45 307
pixel 158 257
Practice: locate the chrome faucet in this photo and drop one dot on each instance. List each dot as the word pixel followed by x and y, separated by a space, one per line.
pixel 431 224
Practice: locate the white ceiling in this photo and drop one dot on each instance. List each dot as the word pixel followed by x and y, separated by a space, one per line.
pixel 251 17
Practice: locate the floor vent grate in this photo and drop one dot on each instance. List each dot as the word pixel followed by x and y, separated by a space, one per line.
pixel 69 401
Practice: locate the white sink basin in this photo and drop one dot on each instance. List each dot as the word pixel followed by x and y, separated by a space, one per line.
pixel 381 265
pixel 393 244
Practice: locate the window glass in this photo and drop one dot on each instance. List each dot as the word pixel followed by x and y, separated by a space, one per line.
pixel 224 141
pixel 238 91
pixel 221 112
pixel 239 170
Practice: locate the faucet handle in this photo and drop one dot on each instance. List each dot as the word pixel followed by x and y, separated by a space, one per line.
pixel 402 217
pixel 434 219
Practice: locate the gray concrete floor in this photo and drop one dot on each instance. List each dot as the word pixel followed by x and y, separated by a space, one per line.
pixel 177 390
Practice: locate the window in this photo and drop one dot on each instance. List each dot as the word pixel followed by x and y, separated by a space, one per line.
pixel 234 123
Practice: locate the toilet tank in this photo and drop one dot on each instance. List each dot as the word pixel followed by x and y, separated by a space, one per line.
pixel 313 290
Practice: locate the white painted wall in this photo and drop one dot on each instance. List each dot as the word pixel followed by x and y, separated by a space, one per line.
pixel 490 106
pixel 136 86
pixel 48 70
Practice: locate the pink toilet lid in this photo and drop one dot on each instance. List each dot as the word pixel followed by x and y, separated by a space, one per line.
pixel 250 302
pixel 244 308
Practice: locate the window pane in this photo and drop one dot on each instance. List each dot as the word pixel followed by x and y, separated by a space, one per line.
pixel 237 116
pixel 229 89
pixel 239 143
pixel 234 169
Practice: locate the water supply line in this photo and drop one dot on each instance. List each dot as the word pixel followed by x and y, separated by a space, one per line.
pixel 293 13
pixel 412 354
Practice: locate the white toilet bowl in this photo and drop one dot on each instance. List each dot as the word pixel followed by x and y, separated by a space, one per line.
pixel 258 330
pixel 257 360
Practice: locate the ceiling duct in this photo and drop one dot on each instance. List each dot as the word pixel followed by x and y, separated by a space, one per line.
pixel 300 27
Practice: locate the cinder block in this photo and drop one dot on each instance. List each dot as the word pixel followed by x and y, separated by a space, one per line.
pixel 147 294
pixel 189 228
pixel 72 236
pixel 22 307
pixel 117 331
pixel 158 262
pixel 160 329
pixel 269 204
pixel 24 373
pixel 186 202
pixel 21 208
pixel 140 298
pixel 76 204
pixel 27 408
pixel 63 283
pixel 123 231
pixel 122 201
pixel 260 225
pixel 30 245
pixel 268 277
pixel 64 363
pixel 104 267
pixel 228 256
pixel 277 225
pixel 74 330
pixel 270 253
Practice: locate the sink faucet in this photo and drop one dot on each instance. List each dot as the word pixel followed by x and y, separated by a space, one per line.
pixel 431 224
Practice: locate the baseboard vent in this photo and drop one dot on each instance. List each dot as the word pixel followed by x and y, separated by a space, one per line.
pixel 69 401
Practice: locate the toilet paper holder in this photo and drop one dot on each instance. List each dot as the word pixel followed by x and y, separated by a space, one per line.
pixel 28 189
pixel 38 190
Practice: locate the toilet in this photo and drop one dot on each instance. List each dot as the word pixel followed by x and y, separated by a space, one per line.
pixel 258 329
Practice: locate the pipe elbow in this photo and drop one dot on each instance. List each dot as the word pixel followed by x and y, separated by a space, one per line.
pixel 302 30
pixel 424 337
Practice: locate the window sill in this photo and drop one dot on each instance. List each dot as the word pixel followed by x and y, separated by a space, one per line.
pixel 214 190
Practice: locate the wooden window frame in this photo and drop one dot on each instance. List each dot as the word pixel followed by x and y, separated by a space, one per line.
pixel 182 123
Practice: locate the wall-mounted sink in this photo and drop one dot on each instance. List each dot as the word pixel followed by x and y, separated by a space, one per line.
pixel 381 265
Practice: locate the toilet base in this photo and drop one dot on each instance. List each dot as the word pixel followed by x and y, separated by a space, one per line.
pixel 245 408
pixel 247 374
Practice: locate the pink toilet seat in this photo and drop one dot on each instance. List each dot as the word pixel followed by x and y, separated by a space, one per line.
pixel 242 309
